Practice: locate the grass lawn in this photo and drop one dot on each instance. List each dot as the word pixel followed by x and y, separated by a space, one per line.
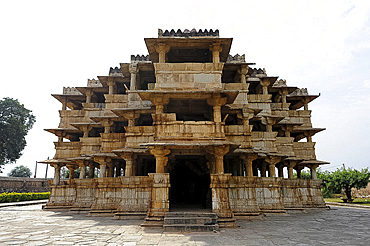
pixel 360 201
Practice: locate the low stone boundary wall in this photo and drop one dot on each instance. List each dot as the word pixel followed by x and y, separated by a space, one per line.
pixel 21 185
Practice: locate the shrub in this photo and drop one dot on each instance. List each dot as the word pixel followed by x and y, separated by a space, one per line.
pixel 17 197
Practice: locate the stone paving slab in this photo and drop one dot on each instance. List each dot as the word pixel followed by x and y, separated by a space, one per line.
pixel 23 203
pixel 29 225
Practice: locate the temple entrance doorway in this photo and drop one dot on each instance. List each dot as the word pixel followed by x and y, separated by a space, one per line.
pixel 190 184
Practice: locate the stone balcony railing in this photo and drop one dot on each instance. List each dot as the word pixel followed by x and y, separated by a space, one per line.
pixel 90 145
pixel 116 101
pixel 68 117
pixel 67 149
pixel 284 145
pixel 259 98
pixel 189 129
pixel 188 76
pixel 239 134
pixel 136 135
pixel 264 141
pixel 112 141
pixel 301 117
pixel 304 150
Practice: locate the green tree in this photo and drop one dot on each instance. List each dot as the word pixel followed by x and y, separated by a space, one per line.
pixel 20 171
pixel 15 122
pixel 346 179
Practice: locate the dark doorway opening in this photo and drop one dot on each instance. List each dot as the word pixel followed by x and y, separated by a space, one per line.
pixel 190 183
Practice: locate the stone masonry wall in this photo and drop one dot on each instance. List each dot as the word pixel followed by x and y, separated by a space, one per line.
pixel 22 185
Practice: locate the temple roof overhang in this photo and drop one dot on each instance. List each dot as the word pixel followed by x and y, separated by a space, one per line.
pixel 297 101
pixel 183 43
pixel 60 131
pixel 116 79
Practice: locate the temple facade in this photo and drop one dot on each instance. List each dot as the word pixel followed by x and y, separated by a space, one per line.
pixel 188 126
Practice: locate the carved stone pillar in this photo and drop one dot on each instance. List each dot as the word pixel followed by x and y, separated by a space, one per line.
pixel 159 203
pixel 272 161
pixel 291 165
pixel 313 170
pixel 216 49
pixel 161 160
pixel 129 158
pixel 89 94
pixel 91 170
pixel 107 123
pixel 263 169
pixel 218 152
pixel 265 82
pixel 104 162
pixel 162 49
pixel 82 172
pixel 248 163
pixel 133 69
pixel 56 180
pixel 71 169
pixel 159 101
pixel 111 84
pixel 281 170
pixel 299 170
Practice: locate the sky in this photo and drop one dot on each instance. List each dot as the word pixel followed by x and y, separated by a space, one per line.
pixel 323 46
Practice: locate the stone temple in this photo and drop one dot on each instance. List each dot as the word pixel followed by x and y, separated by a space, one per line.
pixel 187 128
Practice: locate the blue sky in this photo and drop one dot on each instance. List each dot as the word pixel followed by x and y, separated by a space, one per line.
pixel 320 45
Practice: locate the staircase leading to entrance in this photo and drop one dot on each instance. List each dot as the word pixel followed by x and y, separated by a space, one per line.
pixel 190 221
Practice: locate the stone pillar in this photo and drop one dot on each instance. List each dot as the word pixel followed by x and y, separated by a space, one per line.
pixel 291 165
pixel 217 101
pixel 263 169
pixel 248 163
pixel 159 101
pixel 103 161
pixel 265 82
pixel 82 172
pixel 71 169
pixel 281 171
pixel 272 161
pixel 160 153
pixel 298 170
pixel 313 170
pixel 56 180
pixel 131 116
pixel 89 94
pixel 91 170
pixel 129 158
pixel 162 49
pixel 216 49
pixel 103 170
pixel 110 170
pixel 218 152
pixel 111 84
pixel 133 69
pixel 107 123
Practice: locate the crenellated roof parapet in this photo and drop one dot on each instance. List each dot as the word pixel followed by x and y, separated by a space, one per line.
pixel 299 92
pixel 115 71
pixel 236 59
pixel 257 72
pixel 187 34
pixel 71 91
pixel 138 58
pixel 94 83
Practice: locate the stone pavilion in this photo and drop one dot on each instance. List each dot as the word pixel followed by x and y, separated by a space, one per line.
pixel 187 127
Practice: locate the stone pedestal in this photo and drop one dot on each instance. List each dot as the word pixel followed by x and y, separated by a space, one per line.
pixel 159 203
pixel 220 199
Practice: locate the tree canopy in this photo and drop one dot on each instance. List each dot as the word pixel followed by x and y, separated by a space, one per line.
pixel 15 122
pixel 20 171
pixel 346 179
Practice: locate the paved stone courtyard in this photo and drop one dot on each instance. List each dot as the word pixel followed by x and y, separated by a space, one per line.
pixel 29 225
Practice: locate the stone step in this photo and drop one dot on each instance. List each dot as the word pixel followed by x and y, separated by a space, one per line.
pixel 189 220
pixel 189 227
